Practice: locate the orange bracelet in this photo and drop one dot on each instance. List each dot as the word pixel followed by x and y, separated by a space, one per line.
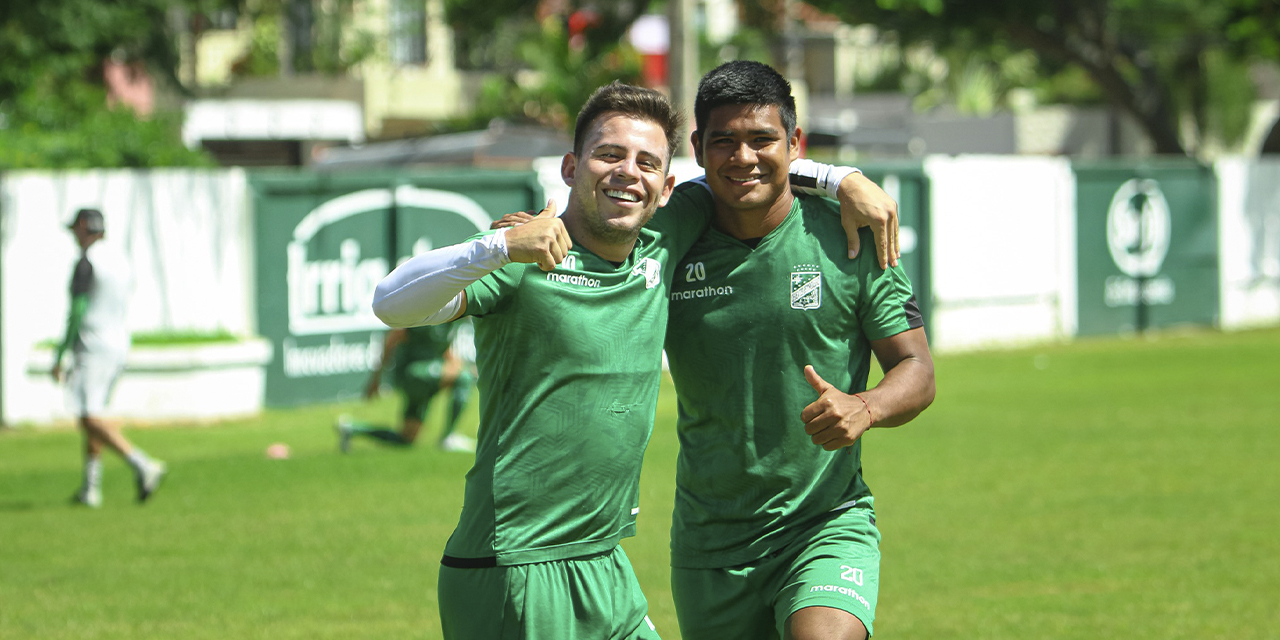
pixel 871 419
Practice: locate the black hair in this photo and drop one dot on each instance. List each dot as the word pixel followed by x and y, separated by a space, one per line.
pixel 744 82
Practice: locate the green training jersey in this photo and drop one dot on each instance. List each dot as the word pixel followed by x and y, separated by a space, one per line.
pixel 569 368
pixel 743 324
pixel 423 350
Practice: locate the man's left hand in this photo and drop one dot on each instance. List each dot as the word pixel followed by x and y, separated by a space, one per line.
pixel 836 419
pixel 512 220
pixel 864 204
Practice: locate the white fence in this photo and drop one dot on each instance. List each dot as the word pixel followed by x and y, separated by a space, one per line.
pixel 1003 256
pixel 188 233
pixel 1249 241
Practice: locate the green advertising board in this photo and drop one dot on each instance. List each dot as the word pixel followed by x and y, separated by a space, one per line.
pixel 1147 248
pixel 324 241
pixel 907 183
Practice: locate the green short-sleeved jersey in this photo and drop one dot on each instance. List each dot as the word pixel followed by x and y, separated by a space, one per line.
pixel 743 324
pixel 569 368
pixel 422 348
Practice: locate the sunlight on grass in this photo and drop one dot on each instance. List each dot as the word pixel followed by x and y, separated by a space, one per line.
pixel 1107 488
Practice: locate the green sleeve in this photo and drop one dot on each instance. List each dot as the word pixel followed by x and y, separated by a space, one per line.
pixel 685 217
pixel 888 303
pixel 491 293
pixel 79 303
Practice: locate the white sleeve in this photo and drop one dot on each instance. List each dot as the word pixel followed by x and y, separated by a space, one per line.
pixel 817 179
pixel 428 288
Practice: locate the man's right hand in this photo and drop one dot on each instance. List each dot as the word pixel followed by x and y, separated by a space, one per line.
pixel 543 240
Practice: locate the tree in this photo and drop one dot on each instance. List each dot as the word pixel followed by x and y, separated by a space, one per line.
pixel 1253 28
pixel 53 102
pixel 1171 64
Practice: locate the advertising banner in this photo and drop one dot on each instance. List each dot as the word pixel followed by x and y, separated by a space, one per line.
pixel 323 243
pixel 1147 246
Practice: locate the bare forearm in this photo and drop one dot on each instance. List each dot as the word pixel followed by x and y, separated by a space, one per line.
pixel 906 390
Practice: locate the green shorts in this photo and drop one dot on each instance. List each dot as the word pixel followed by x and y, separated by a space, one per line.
pixel 419 382
pixel 590 598
pixel 836 563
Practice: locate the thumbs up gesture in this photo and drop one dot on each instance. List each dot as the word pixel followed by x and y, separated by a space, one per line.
pixel 542 240
pixel 836 419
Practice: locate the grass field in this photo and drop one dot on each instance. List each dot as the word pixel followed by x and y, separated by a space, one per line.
pixel 1105 489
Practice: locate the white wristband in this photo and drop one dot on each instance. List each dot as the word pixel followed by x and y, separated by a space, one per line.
pixel 825 178
pixel 425 289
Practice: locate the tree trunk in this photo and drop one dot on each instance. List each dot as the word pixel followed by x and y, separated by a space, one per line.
pixel 1272 143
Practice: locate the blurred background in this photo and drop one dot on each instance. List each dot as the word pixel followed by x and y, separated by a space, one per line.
pixel 265 161
pixel 1090 208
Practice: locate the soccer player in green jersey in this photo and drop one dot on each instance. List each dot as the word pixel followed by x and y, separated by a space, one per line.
pixel 425 364
pixel 771 330
pixel 569 315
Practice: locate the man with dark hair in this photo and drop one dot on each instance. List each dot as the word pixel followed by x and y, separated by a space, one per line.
pixel 97 335
pixel 569 368
pixel 774 532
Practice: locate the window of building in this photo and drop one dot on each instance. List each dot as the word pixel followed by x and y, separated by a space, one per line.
pixel 408 32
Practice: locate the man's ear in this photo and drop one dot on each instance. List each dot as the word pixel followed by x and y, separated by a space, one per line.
pixel 697 147
pixel 568 168
pixel 794 144
pixel 668 185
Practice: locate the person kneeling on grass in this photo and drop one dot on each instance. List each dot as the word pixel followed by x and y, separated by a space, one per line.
pixel 426 363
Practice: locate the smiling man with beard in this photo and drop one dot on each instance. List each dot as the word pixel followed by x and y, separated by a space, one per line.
pixel 569 315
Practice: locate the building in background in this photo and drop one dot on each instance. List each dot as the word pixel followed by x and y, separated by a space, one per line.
pixel 391 72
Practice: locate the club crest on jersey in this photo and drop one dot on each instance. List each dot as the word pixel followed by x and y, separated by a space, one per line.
pixel 806 287
pixel 651 270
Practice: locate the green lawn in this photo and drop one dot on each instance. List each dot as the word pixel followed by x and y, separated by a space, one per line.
pixel 1103 489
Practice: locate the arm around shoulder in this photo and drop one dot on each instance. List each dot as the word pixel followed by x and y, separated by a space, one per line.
pixel 862 204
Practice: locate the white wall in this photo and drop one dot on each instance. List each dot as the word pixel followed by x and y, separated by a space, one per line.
pixel 1249 241
pixel 1003 250
pixel 188 233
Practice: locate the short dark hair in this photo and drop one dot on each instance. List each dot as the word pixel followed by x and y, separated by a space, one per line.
pixel 634 102
pixel 92 219
pixel 744 82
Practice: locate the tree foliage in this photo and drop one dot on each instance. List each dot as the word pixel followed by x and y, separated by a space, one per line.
pixel 542 69
pixel 554 80
pixel 331 45
pixel 53 101
pixel 1179 67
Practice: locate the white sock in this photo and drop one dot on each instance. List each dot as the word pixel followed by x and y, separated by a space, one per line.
pixel 139 460
pixel 92 473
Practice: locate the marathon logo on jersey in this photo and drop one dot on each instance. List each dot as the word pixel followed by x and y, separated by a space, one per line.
pixel 330 278
pixel 579 280
pixel 651 270
pixel 570 263
pixel 806 287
